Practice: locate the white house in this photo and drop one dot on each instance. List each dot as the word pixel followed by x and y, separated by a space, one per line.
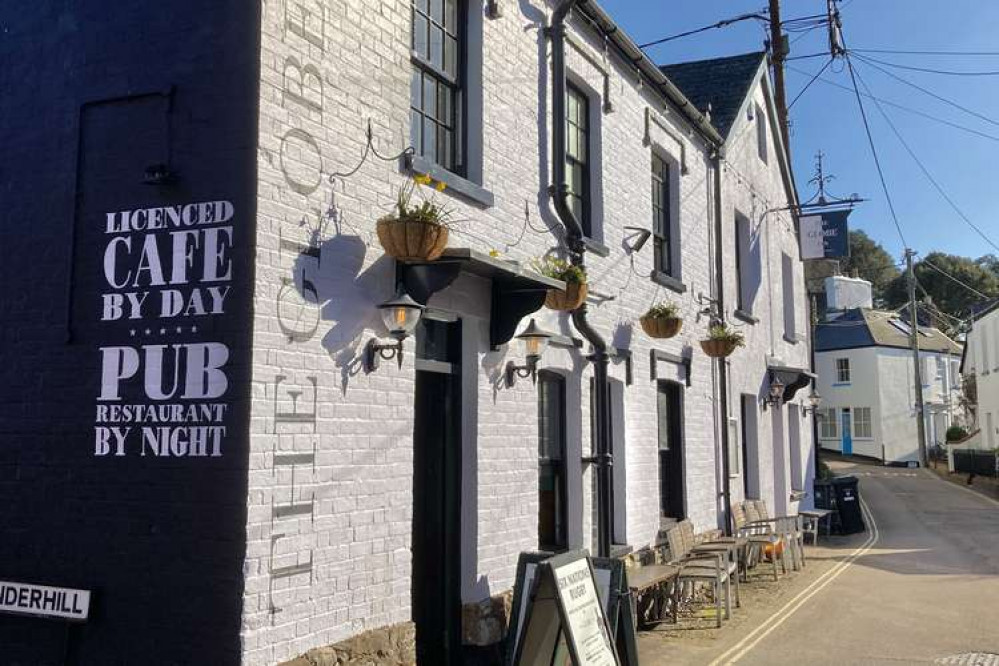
pixel 865 373
pixel 403 495
pixel 981 366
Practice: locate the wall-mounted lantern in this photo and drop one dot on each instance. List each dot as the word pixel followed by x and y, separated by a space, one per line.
pixel 813 402
pixel 535 341
pixel 776 393
pixel 400 314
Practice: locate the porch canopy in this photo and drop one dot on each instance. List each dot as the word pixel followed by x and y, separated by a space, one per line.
pixel 791 377
pixel 516 291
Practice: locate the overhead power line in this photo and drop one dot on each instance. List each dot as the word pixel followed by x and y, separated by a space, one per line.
pixel 719 24
pixel 810 82
pixel 929 52
pixel 902 107
pixel 954 279
pixel 932 94
pixel 930 70
pixel 926 171
pixel 874 152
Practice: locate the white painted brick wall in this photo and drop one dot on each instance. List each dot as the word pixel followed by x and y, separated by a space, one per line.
pixel 353 544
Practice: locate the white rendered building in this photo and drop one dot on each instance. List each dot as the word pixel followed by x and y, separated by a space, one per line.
pixel 981 365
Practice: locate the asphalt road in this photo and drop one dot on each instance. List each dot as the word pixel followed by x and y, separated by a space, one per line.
pixel 921 587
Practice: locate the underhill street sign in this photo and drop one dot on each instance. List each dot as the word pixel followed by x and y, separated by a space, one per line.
pixel 44 601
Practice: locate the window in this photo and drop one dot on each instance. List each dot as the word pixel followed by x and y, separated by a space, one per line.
pixel 862 423
pixel 436 83
pixel 670 412
pixel 750 447
pixel 787 279
pixel 843 370
pixel 901 326
pixel 828 425
pixel 746 276
pixel 794 444
pixel 761 133
pixel 577 158
pixel 662 231
pixel 552 513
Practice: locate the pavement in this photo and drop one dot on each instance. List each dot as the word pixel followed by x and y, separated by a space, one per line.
pixel 921 586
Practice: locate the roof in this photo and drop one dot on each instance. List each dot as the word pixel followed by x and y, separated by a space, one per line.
pixel 863 327
pixel 721 82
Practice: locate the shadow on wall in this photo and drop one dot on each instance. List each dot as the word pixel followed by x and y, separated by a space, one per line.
pixel 330 280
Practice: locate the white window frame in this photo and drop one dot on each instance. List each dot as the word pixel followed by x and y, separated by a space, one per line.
pixel 830 418
pixel 841 365
pixel 857 430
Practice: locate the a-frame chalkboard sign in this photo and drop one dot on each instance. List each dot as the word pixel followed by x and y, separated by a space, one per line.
pixel 561 606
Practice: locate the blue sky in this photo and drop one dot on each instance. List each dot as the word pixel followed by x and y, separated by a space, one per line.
pixel 827 118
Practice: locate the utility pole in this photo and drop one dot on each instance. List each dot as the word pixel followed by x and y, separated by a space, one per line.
pixel 917 371
pixel 778 51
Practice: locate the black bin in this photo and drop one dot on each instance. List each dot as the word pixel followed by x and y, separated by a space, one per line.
pixel 851 519
pixel 824 498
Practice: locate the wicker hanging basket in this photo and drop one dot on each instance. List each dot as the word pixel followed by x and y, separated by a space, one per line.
pixel 661 327
pixel 718 348
pixel 407 239
pixel 568 300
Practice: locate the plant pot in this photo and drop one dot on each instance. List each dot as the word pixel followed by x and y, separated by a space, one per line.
pixel 661 327
pixel 569 299
pixel 412 240
pixel 718 348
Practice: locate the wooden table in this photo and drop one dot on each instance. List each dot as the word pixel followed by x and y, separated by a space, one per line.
pixel 812 521
pixel 650 580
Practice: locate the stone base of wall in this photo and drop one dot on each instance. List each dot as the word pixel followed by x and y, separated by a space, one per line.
pixel 393 646
pixel 486 622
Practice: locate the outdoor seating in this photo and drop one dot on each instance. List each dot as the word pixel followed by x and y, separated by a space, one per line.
pixel 761 537
pixel 811 523
pixel 789 527
pixel 700 563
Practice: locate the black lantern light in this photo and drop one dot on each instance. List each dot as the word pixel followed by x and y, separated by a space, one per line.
pixel 814 400
pixel 400 314
pixel 776 394
pixel 535 341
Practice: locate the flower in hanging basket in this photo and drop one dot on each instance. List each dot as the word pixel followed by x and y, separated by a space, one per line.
pixel 576 289
pixel 722 341
pixel 415 231
pixel 661 321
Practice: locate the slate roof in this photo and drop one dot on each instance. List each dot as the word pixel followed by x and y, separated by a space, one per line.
pixel 863 327
pixel 721 82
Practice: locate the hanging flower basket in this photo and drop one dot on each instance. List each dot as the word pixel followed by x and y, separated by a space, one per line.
pixel 661 327
pixel 576 289
pixel 722 341
pixel 415 231
pixel 409 239
pixel 568 299
pixel 661 321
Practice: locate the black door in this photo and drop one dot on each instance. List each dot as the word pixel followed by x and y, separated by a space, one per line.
pixel 437 494
pixel 552 509
pixel 670 409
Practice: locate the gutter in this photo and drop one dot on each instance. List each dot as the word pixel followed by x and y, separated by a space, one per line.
pixel 604 457
pixel 633 55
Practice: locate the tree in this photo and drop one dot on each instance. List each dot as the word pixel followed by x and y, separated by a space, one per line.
pixel 946 294
pixel 871 262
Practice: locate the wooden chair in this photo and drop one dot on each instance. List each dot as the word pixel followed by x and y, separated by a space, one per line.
pixel 712 568
pixel 790 527
pixel 761 536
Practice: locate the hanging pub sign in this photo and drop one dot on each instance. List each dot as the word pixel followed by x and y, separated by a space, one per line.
pixel 825 235
pixel 561 620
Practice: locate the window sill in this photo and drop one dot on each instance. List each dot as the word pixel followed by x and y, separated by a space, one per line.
pixel 745 316
pixel 793 339
pixel 453 181
pixel 596 247
pixel 841 384
pixel 669 282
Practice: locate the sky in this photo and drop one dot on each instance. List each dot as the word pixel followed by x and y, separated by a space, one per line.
pixel 827 118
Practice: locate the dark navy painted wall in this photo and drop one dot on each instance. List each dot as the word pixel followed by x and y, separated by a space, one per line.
pixel 91 95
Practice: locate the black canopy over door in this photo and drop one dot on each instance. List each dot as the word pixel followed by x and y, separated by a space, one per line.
pixel 437 494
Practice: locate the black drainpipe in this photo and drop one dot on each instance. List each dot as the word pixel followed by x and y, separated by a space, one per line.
pixel 574 239
pixel 722 363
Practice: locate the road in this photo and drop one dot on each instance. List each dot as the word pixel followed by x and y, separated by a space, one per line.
pixel 922 586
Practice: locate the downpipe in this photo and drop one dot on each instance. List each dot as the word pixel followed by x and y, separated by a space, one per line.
pixel 722 363
pixel 604 458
